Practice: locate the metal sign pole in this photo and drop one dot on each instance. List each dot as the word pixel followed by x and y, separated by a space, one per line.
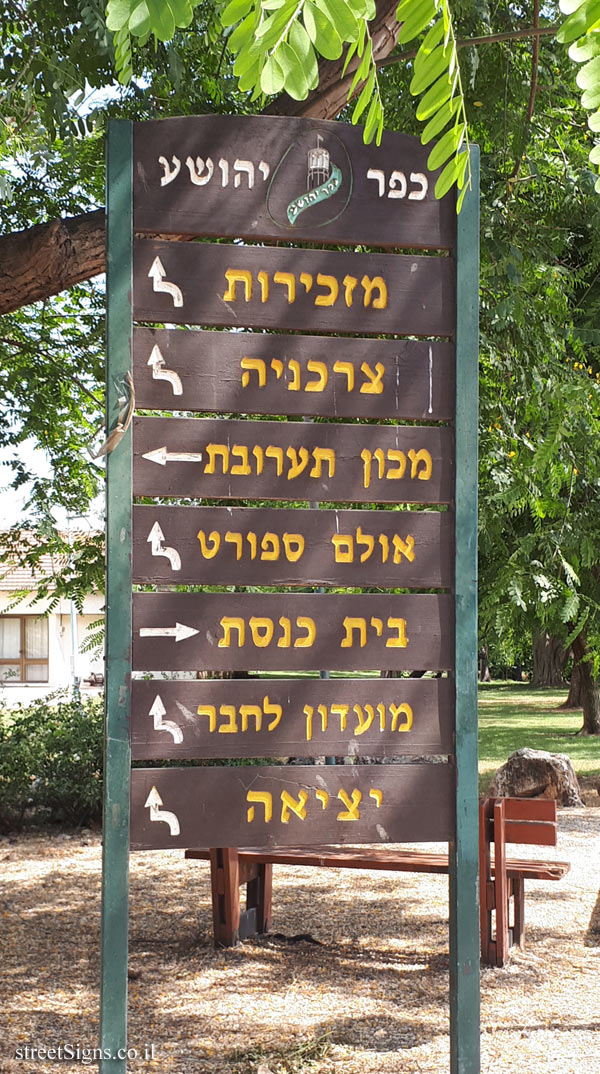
pixel 464 851
pixel 117 754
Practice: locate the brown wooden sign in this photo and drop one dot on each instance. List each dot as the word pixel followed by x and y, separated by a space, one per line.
pixel 215 458
pixel 287 179
pixel 249 373
pixel 222 718
pixel 290 806
pixel 293 289
pixel 273 632
pixel 265 547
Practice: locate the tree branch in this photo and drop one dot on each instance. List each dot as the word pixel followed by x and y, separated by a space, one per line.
pixel 490 39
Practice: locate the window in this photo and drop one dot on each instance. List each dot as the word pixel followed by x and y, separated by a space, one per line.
pixel 23 649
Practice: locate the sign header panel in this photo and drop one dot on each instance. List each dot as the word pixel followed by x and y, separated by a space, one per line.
pixel 222 718
pixel 276 460
pixel 277 632
pixel 246 373
pixel 265 547
pixel 290 806
pixel 292 289
pixel 292 180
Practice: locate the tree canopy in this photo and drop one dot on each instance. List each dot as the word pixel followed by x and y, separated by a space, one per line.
pixel 540 363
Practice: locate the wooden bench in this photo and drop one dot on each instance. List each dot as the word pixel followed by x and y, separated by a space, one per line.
pixel 501 821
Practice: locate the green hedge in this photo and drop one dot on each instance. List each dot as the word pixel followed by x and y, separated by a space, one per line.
pixel 51 760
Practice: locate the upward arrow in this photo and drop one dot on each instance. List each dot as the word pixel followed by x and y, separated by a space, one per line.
pixel 153 803
pixel 157 362
pixel 157 274
pixel 157 712
pixel 156 538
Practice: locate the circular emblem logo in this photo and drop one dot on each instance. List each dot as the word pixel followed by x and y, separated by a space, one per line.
pixel 312 184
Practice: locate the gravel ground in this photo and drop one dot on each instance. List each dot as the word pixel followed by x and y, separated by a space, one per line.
pixel 370 996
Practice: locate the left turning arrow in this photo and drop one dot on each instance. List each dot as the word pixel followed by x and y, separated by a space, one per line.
pixel 156 538
pixel 159 372
pixel 153 803
pixel 157 275
pixel 157 712
pixel 179 632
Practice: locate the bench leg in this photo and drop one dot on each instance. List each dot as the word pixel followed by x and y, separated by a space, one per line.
pixel 500 884
pixel 225 889
pixel 519 895
pixel 259 892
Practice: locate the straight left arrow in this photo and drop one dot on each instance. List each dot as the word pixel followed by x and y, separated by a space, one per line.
pixel 179 632
pixel 162 456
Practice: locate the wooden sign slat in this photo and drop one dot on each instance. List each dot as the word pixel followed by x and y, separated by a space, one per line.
pixel 216 458
pixel 278 632
pixel 246 177
pixel 222 718
pixel 292 289
pixel 290 805
pixel 249 373
pixel 267 547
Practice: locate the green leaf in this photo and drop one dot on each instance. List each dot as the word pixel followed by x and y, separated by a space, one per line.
pixel 594 121
pixel 117 14
pixel 590 98
pixel 322 32
pixel 271 77
pixel 270 29
pixel 421 15
pixel 182 12
pixel 251 75
pixel 242 34
pixel 588 78
pixel 452 173
pixel 461 198
pixel 245 60
pixel 595 155
pixel 139 23
pixel 162 22
pixel 341 15
pixel 373 119
pixel 438 61
pixel 577 24
pixel 439 121
pixel 294 77
pixel 365 96
pixel 302 46
pixel 235 11
pixel 435 97
pixel 432 39
pixel 585 49
pixel 446 147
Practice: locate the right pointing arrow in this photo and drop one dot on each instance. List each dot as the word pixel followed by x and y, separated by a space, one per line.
pixel 179 632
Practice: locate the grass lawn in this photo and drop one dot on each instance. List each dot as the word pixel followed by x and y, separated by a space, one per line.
pixel 513 715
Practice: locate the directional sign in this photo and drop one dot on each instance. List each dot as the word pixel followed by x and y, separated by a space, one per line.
pixel 289 806
pixel 291 461
pixel 272 632
pixel 242 372
pixel 262 287
pixel 246 176
pixel 261 546
pixel 222 718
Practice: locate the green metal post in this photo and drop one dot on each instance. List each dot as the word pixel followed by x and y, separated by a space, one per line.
pixel 117 753
pixel 464 851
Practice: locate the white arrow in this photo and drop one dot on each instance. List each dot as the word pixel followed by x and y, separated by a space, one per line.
pixel 159 372
pixel 156 538
pixel 179 632
pixel 162 456
pixel 157 712
pixel 157 275
pixel 153 803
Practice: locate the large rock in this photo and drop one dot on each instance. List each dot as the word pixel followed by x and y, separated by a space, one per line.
pixel 537 774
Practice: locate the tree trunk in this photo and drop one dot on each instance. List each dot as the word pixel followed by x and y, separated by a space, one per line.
pixel 574 700
pixel 48 258
pixel 590 697
pixel 549 658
